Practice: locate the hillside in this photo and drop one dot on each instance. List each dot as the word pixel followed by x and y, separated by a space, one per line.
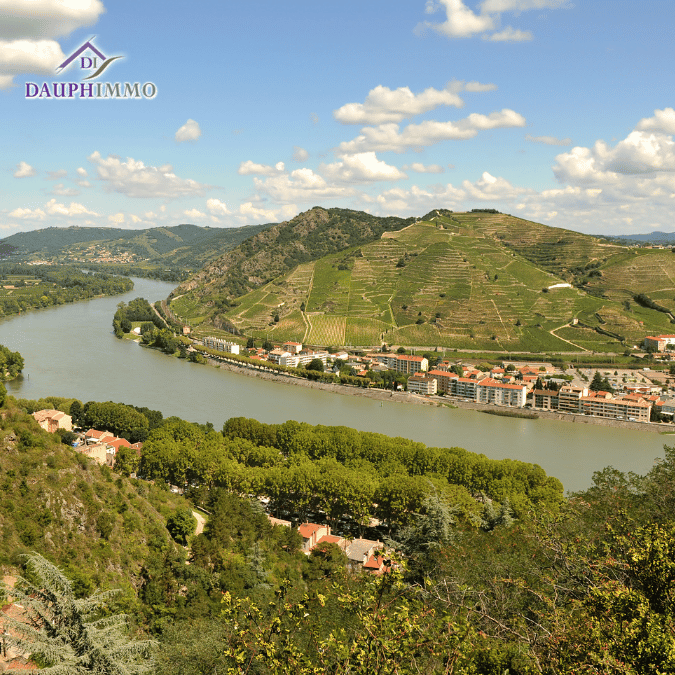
pixel 184 246
pixel 455 280
pixel 99 527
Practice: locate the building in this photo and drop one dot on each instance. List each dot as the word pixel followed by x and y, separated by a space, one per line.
pixel 292 347
pixel 311 533
pixel 493 391
pixel 444 380
pixel 569 398
pixel 616 408
pixel 464 387
pixel 359 551
pixel 422 384
pixel 53 420
pixel 545 399
pixel 659 343
pixel 221 345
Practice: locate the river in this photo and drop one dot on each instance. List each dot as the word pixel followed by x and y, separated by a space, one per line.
pixel 71 351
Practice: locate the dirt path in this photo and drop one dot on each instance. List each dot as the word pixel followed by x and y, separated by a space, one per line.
pixel 201 521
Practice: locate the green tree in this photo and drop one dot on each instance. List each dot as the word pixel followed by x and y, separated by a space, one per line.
pixel 71 636
pixel 315 364
pixel 181 525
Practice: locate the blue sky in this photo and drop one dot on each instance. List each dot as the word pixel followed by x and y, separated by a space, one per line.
pixel 559 112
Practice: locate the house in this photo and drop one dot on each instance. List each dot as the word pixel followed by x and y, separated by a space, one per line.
pixel 359 551
pixel 53 420
pixel 277 354
pixel 311 533
pixel 95 436
pixel 292 347
pixel 376 565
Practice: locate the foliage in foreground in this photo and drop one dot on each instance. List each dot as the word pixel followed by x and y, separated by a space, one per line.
pixel 71 636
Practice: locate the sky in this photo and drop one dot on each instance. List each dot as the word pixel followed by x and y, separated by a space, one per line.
pixel 239 113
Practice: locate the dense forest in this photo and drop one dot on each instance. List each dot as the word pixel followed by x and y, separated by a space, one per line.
pixel 26 287
pixel 490 569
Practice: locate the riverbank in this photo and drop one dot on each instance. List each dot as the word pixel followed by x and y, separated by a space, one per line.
pixel 439 401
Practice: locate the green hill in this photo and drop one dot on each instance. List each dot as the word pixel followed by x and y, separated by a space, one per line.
pixel 184 246
pixel 455 280
pixel 97 526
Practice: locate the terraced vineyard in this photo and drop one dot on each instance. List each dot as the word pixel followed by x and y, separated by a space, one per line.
pixel 468 281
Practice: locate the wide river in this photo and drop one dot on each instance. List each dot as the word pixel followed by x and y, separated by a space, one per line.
pixel 71 351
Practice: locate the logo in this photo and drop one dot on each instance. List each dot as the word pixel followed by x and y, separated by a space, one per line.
pixel 89 58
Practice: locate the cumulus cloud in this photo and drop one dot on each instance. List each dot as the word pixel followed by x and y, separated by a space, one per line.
pixel 300 154
pixel 28 29
pixel 24 170
pixel 363 167
pixel 46 18
pixel 61 190
pixel 462 22
pixel 190 131
pixel 194 214
pixel 216 207
pixel 384 105
pixel 135 179
pixel 388 137
pixel 54 208
pixel 81 171
pixel 663 122
pixel 548 140
pixel 28 214
pixel 250 212
pixel 421 168
pixel 248 168
pixel 301 185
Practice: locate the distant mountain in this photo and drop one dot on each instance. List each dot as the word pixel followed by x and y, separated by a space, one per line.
pixel 479 280
pixel 662 238
pixel 185 246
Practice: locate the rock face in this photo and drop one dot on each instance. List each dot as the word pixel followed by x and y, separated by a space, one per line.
pixel 309 236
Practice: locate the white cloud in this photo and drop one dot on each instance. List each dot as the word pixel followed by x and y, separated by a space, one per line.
pixel 56 175
pixel 27 29
pixel 510 34
pixel 117 218
pixel 81 172
pixel 28 56
pixel 251 168
pixel 216 207
pixel 462 22
pixel 28 214
pixel 548 140
pixel 387 137
pixel 251 212
pixel 190 131
pixel 363 167
pixel 386 105
pixel 62 191
pixel 46 18
pixel 24 170
pixel 135 179
pixel 300 154
pixel 301 185
pixel 663 121
pixel 421 168
pixel 54 208
pixel 194 214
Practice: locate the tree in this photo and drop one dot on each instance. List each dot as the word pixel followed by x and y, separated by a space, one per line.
pixel 315 364
pixel 66 633
pixel 181 525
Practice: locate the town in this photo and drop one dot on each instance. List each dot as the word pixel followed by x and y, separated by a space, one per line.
pixel 635 395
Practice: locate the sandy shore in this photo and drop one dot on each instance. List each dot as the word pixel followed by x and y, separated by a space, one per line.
pixel 407 397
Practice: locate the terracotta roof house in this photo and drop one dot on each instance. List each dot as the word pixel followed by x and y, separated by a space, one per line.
pixel 311 533
pixel 53 420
